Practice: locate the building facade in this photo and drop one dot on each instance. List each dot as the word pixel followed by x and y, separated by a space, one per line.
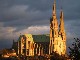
pixel 30 45
pixel 57 33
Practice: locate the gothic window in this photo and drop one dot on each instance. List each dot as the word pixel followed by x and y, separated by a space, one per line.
pixel 27 51
pixel 28 44
pixel 24 50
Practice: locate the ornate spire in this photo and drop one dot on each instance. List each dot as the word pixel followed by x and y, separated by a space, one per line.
pixel 62 31
pixel 55 21
pixel 61 22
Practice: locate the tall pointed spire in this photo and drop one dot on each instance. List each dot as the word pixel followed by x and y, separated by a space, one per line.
pixel 53 29
pixel 61 26
pixel 62 31
pixel 61 21
pixel 54 8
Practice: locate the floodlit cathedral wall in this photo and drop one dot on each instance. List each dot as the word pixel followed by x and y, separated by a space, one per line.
pixel 57 33
pixel 25 45
pixel 30 45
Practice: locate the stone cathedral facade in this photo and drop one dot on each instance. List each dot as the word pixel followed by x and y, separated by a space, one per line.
pixel 57 33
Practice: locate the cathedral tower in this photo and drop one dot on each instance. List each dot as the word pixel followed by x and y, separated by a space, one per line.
pixel 61 26
pixel 53 29
pixel 62 32
pixel 57 36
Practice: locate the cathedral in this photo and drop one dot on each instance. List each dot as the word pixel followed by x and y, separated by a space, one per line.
pixel 57 33
pixel 31 45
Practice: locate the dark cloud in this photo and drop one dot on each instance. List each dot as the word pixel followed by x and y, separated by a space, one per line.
pixel 71 9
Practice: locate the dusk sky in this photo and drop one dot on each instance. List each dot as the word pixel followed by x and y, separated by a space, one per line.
pixel 33 16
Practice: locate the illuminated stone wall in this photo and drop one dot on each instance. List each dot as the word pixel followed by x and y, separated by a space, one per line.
pixel 30 45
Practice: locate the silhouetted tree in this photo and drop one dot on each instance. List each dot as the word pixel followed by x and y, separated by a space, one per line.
pixel 55 56
pixel 74 52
